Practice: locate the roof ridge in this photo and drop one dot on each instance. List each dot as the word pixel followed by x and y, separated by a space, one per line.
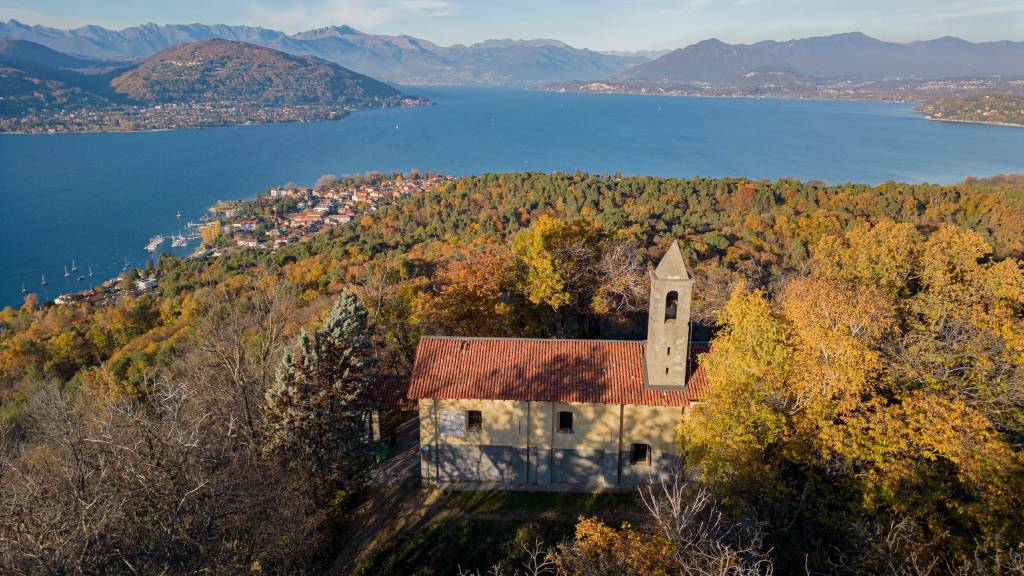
pixel 521 339
pixel 515 339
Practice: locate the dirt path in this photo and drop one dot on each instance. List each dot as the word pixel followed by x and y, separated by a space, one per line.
pixel 397 502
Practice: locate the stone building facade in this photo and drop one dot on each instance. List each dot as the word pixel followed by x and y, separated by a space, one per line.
pixel 524 413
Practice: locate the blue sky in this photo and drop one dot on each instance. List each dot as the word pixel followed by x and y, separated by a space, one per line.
pixel 597 24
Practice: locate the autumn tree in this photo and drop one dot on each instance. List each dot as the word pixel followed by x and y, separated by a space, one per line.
pixel 386 286
pixel 577 271
pixel 209 233
pixel 239 336
pixel 683 533
pixel 559 261
pixel 470 296
pixel 601 550
pixel 886 383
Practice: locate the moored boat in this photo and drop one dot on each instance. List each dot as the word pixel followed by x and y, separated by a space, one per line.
pixel 155 243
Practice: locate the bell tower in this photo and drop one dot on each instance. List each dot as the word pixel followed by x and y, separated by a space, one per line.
pixel 668 322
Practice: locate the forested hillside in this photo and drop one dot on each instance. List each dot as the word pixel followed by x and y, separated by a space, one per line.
pixel 985 108
pixel 225 71
pixel 867 370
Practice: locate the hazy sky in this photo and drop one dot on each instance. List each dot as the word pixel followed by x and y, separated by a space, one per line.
pixel 598 24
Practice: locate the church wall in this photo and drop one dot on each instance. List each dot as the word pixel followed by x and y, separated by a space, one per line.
pixel 588 454
pixel 426 417
pixel 541 425
pixel 653 425
pixel 589 457
pixel 497 453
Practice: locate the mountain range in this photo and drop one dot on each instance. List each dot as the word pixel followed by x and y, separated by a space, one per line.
pixel 401 59
pixel 852 55
pixel 410 60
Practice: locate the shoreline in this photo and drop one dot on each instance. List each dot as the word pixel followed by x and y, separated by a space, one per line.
pixel 538 89
pixel 148 130
pixel 734 96
pixel 226 125
pixel 979 122
pixel 794 97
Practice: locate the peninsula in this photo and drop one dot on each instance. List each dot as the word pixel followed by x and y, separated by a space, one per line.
pixel 1001 109
pixel 207 83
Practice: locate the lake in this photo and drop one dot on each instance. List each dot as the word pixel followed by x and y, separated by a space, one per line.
pixel 98 198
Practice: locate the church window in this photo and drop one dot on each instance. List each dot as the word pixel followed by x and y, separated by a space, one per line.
pixel 640 454
pixel 474 421
pixel 671 305
pixel 565 422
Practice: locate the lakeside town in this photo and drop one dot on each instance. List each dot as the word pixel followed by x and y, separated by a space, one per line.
pixel 173 116
pixel 280 217
pixel 930 94
pixel 290 214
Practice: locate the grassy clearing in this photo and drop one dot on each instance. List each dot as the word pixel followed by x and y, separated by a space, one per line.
pixel 482 529
pixel 552 503
pixel 443 546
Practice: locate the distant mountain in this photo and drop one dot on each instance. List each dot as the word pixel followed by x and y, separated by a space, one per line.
pixel 852 54
pixel 136 42
pixel 403 59
pixel 34 77
pixel 223 71
pixel 530 61
pixel 640 55
pixel 24 51
pixel 211 82
pixel 706 61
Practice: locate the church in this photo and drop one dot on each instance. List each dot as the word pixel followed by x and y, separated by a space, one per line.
pixel 583 415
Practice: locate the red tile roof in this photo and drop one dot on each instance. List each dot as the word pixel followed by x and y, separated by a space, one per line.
pixel 391 392
pixel 593 371
pixel 306 216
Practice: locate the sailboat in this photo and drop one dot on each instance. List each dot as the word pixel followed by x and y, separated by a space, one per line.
pixel 90 271
pixel 43 282
pixel 74 266
pixel 23 290
pixel 66 273
pixel 179 213
pixel 125 263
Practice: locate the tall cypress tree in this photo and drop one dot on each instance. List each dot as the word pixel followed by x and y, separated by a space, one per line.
pixel 316 411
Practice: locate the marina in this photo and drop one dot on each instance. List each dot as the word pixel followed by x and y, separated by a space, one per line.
pixel 154 243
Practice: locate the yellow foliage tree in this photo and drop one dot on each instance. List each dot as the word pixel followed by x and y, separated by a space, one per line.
pixel 559 260
pixel 746 409
pixel 210 232
pixel 600 550
pixel 893 373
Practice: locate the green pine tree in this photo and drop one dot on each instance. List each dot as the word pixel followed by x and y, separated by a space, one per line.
pixel 316 411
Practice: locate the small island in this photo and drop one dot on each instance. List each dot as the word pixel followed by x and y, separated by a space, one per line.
pixel 202 84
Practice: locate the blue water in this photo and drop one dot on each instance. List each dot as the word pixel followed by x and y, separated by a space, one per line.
pixel 97 198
